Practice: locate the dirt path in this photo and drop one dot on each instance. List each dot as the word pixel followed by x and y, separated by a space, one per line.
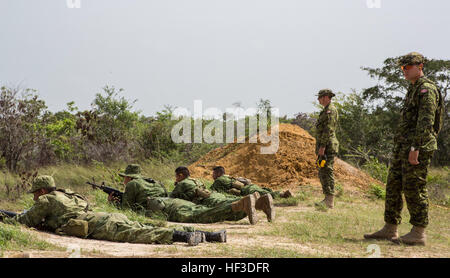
pixel 243 240
pixel 240 235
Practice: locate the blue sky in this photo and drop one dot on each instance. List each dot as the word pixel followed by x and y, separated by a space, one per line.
pixel 218 51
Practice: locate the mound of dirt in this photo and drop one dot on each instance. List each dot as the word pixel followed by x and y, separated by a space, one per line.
pixel 293 164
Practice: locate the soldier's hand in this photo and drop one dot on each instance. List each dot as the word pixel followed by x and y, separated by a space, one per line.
pixel 111 198
pixel 413 157
pixel 321 151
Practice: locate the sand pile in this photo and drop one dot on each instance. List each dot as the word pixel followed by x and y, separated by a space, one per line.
pixel 292 165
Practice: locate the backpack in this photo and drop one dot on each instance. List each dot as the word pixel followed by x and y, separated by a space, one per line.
pixel 439 116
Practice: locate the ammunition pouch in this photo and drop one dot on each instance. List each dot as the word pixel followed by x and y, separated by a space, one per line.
pixel 155 204
pixel 202 193
pixel 243 180
pixel 237 184
pixel 75 227
pixel 234 191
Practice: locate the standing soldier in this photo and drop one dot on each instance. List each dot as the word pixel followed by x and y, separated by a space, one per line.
pixel 414 145
pixel 327 145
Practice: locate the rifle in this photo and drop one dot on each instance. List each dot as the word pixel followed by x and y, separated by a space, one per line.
pixel 108 190
pixel 7 213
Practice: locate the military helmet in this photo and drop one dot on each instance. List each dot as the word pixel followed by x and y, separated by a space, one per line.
pixel 41 182
pixel 132 171
pixel 413 58
pixel 325 92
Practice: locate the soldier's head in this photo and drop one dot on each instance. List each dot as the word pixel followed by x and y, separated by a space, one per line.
pixel 412 65
pixel 324 96
pixel 133 171
pixel 181 173
pixel 42 185
pixel 218 171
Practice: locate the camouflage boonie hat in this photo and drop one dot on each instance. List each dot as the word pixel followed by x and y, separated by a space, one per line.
pixel 41 182
pixel 132 171
pixel 325 92
pixel 413 58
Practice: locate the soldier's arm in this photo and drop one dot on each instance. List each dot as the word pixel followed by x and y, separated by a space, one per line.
pixel 427 110
pixel 129 196
pixel 329 126
pixel 183 190
pixel 36 214
pixel 177 191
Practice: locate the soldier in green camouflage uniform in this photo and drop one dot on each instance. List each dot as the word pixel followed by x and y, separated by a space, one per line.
pixel 179 210
pixel 137 190
pixel 327 144
pixel 193 190
pixel 414 145
pixel 67 213
pixel 240 186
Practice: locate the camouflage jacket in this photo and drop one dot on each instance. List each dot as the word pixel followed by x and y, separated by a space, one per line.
pixel 418 116
pixel 223 183
pixel 53 210
pixel 326 129
pixel 137 191
pixel 190 190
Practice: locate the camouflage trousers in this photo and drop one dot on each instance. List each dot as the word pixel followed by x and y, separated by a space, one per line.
pixel 410 180
pixel 216 199
pixel 117 227
pixel 252 188
pixel 326 175
pixel 178 210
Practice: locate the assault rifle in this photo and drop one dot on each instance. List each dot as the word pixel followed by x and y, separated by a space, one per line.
pixel 108 190
pixel 7 213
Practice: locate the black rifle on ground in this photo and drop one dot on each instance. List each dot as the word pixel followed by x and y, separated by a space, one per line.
pixel 7 213
pixel 108 190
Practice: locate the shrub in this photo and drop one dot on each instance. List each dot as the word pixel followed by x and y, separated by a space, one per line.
pixel 377 191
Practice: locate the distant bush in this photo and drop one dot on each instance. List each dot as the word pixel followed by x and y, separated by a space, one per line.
pixel 377 191
pixel 376 169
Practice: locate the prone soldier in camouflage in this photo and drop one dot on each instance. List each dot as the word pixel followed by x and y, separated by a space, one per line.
pixel 137 190
pixel 240 186
pixel 414 145
pixel 327 144
pixel 193 190
pixel 67 213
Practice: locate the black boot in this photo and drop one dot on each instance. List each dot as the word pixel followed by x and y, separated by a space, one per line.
pixel 192 238
pixel 220 236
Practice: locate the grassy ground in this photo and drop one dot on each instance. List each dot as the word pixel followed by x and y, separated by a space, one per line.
pixel 300 230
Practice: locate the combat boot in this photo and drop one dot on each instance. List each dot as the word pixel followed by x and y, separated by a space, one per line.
pixel 265 203
pixel 247 205
pixel 257 196
pixel 220 236
pixel 388 232
pixel 329 201
pixel 415 237
pixel 286 194
pixel 192 238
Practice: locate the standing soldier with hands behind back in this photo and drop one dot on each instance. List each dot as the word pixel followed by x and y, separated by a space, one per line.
pixel 414 145
pixel 327 145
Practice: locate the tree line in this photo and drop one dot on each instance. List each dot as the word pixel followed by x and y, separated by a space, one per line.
pixel 31 136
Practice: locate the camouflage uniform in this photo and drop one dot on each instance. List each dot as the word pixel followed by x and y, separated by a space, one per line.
pixel 178 210
pixel 193 190
pixel 225 183
pixel 326 137
pixel 55 210
pixel 416 129
pixel 138 190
